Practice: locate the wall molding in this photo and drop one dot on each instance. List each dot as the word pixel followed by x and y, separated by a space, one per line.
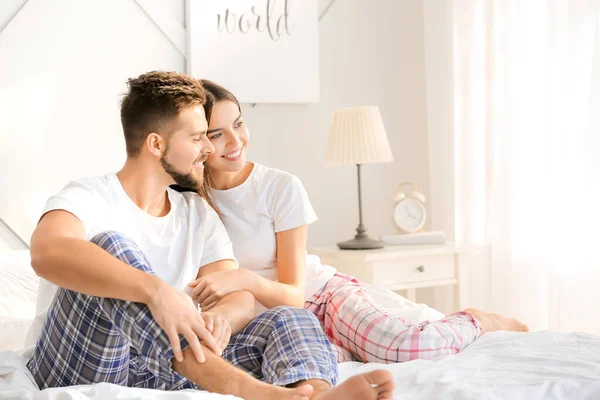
pixel 18 10
pixel 10 237
pixel 168 25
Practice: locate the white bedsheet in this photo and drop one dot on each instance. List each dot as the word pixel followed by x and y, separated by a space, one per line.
pixel 16 382
pixel 500 365
pixel 503 365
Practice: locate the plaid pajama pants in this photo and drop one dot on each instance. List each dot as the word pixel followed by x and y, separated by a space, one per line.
pixel 87 339
pixel 361 330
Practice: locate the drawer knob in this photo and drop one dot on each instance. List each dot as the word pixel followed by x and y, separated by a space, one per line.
pixel 421 268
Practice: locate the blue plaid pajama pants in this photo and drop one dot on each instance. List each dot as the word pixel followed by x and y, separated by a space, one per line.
pixel 88 339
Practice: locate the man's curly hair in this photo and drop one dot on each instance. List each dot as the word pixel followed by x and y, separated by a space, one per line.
pixel 151 103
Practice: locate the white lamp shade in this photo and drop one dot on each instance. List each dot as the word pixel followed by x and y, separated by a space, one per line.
pixel 357 136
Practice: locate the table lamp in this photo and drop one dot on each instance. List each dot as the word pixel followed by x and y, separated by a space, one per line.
pixel 357 136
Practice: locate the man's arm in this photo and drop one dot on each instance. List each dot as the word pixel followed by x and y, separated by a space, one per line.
pixel 61 254
pixel 238 307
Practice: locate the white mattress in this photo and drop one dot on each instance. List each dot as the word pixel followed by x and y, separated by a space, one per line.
pixel 500 365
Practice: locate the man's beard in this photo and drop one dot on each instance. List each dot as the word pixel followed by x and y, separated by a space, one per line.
pixel 186 180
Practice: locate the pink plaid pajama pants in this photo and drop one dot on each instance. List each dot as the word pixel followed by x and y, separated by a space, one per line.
pixel 361 330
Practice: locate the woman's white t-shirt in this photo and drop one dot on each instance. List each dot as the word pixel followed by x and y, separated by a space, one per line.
pixel 269 201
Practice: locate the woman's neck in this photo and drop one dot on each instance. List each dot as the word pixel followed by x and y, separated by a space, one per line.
pixel 224 180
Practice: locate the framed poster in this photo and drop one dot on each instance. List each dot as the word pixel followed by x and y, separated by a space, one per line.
pixel 264 51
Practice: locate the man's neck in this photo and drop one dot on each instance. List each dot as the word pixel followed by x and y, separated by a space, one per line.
pixel 228 180
pixel 146 187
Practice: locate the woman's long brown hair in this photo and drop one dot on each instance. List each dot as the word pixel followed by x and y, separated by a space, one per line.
pixel 214 94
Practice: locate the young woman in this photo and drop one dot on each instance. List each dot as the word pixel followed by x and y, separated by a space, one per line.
pixel 266 212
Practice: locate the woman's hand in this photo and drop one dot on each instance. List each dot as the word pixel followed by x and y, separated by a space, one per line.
pixel 209 289
pixel 219 328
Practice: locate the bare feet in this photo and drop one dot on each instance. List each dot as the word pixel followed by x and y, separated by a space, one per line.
pixel 374 385
pixel 303 392
pixel 493 322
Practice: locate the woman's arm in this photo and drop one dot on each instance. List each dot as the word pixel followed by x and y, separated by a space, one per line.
pixel 287 291
pixel 236 307
pixel 291 259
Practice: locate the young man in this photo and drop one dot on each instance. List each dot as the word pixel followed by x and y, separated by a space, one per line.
pixel 123 247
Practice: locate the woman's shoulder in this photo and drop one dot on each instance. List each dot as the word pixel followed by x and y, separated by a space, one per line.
pixel 274 178
pixel 270 173
pixel 286 199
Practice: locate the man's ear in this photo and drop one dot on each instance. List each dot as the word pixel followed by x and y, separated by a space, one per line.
pixel 156 144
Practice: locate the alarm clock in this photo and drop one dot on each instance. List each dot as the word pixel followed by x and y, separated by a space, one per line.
pixel 409 209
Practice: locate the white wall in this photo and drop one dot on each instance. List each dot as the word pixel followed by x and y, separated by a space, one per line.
pixel 370 53
pixel 62 67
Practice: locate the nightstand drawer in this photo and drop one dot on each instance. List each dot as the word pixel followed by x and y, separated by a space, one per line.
pixel 414 269
pixel 398 268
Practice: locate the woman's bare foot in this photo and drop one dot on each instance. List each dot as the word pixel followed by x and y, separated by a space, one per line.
pixel 490 322
pixel 374 385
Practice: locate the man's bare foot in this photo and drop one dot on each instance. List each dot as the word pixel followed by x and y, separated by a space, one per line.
pixel 493 322
pixel 270 392
pixel 374 385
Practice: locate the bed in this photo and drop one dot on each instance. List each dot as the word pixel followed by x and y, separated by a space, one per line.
pixel 500 365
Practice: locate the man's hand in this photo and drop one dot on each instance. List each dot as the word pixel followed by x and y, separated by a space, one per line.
pixel 176 314
pixel 219 327
pixel 211 288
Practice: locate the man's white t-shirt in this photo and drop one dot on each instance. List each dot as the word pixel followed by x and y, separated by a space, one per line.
pixel 269 201
pixel 176 246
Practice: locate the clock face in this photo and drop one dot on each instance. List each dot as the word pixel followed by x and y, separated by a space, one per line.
pixel 409 215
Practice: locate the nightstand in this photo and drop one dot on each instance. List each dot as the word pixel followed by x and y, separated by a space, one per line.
pixel 404 268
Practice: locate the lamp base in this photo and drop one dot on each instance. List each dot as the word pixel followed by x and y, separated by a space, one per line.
pixel 363 243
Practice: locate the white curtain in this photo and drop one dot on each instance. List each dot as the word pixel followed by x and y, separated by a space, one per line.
pixel 526 141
